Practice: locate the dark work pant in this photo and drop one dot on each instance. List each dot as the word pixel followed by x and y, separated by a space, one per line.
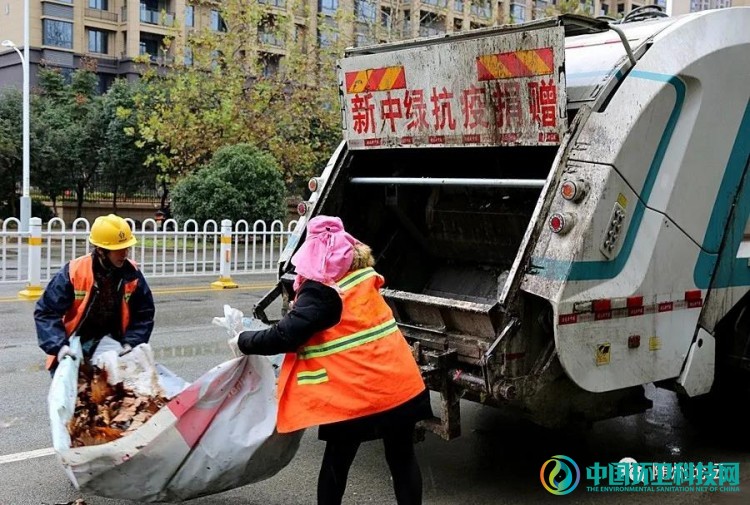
pixel 399 454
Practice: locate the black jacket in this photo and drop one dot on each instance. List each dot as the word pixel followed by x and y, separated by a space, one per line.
pixel 317 307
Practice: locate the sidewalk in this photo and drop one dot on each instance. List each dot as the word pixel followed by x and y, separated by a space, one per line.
pixel 9 291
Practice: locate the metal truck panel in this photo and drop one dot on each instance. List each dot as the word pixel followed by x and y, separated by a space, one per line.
pixel 659 270
pixel 679 167
pixel 659 274
pixel 672 143
pixel 501 89
pixel 594 63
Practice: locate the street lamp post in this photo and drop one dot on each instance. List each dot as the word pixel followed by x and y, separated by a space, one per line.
pixel 33 288
pixel 25 197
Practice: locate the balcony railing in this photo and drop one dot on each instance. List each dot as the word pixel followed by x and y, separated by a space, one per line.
pixel 153 17
pixel 281 4
pixel 482 11
pixel 100 14
pixel 159 59
pixel 429 31
pixel 436 3
pixel 270 39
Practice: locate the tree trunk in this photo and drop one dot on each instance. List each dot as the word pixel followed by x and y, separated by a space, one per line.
pixel 114 200
pixel 164 196
pixel 12 205
pixel 79 200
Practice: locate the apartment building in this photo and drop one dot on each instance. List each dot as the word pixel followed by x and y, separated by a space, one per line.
pixel 679 7
pixel 114 32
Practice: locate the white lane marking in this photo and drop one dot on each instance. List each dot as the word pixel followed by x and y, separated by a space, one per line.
pixel 22 456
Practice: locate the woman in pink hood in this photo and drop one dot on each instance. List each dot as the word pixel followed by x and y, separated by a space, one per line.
pixel 348 368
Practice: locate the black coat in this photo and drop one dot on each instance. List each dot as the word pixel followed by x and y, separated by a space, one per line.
pixel 317 307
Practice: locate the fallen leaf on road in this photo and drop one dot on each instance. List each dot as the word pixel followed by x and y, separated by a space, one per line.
pixel 105 413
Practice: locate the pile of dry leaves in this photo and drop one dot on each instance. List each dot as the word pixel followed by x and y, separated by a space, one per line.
pixel 104 412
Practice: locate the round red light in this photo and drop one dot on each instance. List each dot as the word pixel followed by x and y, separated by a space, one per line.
pixel 556 223
pixel 312 184
pixel 569 190
pixel 302 208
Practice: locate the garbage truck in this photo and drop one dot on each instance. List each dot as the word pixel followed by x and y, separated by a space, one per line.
pixel 559 208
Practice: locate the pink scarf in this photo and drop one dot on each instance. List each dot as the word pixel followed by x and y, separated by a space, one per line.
pixel 327 253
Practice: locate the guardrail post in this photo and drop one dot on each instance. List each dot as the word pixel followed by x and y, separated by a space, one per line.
pixel 225 277
pixel 34 289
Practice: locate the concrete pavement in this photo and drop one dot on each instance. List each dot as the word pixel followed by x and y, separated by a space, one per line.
pixel 497 460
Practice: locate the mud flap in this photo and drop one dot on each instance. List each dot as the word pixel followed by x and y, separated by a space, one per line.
pixel 698 375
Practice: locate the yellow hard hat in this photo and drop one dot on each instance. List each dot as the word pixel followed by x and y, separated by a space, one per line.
pixel 111 232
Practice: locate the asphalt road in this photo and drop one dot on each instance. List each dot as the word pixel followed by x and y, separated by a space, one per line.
pixel 497 460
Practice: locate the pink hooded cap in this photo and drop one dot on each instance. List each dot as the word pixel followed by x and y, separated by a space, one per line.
pixel 327 253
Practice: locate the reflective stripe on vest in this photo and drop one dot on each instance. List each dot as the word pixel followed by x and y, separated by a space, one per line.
pixel 349 341
pixel 355 278
pixel 312 377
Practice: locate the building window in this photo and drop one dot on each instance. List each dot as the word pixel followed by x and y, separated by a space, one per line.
pixel 365 11
pixel 102 5
pixel 97 40
pixel 621 8
pixel 517 13
pixel 271 64
pixel 482 8
pixel 604 11
pixel 364 39
pixel 189 16
pixel 385 18
pixel 328 7
pixel 188 57
pixel 217 22
pixel 57 33
pixel 540 9
pixel 431 24
pixel 327 33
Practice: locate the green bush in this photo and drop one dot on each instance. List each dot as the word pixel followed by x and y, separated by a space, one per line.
pixel 38 209
pixel 240 182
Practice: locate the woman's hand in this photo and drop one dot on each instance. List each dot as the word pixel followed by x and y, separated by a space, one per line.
pixel 234 345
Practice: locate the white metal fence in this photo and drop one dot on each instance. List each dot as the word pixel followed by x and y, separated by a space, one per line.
pixel 165 250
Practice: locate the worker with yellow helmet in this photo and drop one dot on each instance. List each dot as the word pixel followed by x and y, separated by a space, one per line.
pixel 99 294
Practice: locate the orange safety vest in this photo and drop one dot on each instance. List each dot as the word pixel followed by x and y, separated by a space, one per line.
pixel 361 366
pixel 81 273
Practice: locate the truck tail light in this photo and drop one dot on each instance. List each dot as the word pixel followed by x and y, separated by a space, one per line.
pixel 635 302
pixel 561 222
pixel 313 184
pixel 573 191
pixel 602 305
pixel 693 295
